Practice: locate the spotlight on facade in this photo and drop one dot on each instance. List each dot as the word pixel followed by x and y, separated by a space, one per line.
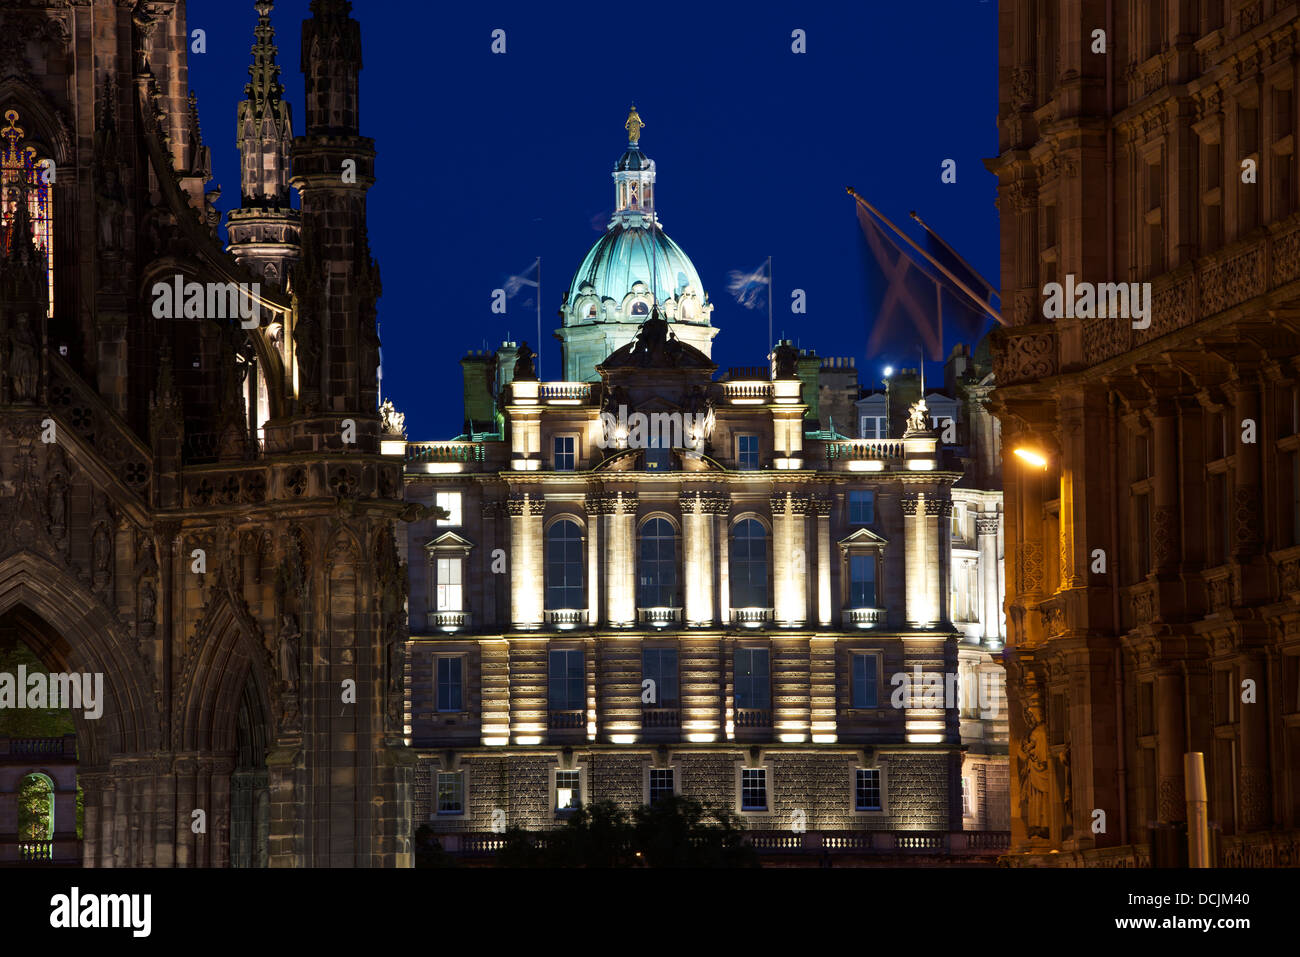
pixel 1033 456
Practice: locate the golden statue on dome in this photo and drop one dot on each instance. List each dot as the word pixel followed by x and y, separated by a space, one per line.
pixel 633 126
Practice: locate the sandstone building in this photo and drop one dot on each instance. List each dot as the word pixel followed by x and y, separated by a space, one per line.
pixel 197 508
pixel 647 580
pixel 1154 544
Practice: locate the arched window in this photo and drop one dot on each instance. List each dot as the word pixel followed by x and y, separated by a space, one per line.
pixel 19 164
pixel 564 573
pixel 36 808
pixel 657 565
pixel 640 309
pixel 749 565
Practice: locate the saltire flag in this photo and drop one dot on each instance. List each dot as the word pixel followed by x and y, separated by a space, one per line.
pixel 750 288
pixel 514 284
pixel 904 294
pixel 969 319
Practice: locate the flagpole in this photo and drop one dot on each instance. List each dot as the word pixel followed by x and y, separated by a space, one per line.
pixel 928 258
pixel 539 316
pixel 940 240
pixel 771 291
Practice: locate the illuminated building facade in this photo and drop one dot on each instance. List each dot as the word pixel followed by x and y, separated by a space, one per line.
pixel 650 581
pixel 1153 512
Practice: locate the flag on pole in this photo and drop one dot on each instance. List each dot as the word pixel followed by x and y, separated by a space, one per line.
pixel 528 278
pixel 904 294
pixel 750 289
pixel 967 317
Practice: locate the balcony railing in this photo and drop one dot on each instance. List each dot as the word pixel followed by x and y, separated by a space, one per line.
pixel 746 393
pixel 753 718
pixel 566 617
pixel 865 450
pixel 564 392
pixel 661 718
pixel 863 617
pixel 751 617
pixel 35 851
pixel 445 452
pixel 659 617
pixel 449 620
pixel 566 720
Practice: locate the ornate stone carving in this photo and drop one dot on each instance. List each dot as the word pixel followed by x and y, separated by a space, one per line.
pixel 1031 567
pixel 987 524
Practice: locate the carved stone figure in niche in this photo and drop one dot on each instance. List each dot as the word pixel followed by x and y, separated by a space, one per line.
pixel 1067 795
pixel 148 605
pixel 290 635
pixel 23 369
pixel 112 213
pixel 101 551
pixel 1034 782
pixel 57 496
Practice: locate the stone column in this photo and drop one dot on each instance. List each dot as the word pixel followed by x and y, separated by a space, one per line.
pixel 527 560
pixel 938 543
pixel 619 536
pixel 1244 390
pixel 1165 544
pixel 1171 802
pixel 722 536
pixel 592 502
pixel 1256 796
pixel 914 582
pixel 789 560
pixel 986 540
pixel 487 615
pixel 821 506
pixel 697 560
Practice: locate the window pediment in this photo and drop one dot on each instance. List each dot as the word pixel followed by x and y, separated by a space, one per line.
pixel 863 538
pixel 449 542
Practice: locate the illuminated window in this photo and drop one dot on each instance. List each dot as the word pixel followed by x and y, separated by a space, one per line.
pixel 753 680
pixel 749 565
pixel 661 784
pixel 450 590
pixel 657 565
pixel 568 793
pixel 566 681
pixel 868 789
pixel 566 453
pixel 659 666
pixel 451 792
pixel 747 451
pixel 19 164
pixel 564 573
pixel 450 695
pixel 862 507
pixel 753 789
pixel 866 681
pixel 451 502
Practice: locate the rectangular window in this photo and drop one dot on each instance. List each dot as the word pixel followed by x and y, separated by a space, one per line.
pixel 967 797
pixel 566 453
pixel 862 507
pixel 659 665
pixel 866 681
pixel 661 784
pixel 868 789
pixel 862 581
pixel 566 681
pixel 1142 530
pixel 450 687
pixel 450 594
pixel 1220 519
pixel 568 793
pixel 451 792
pixel 753 789
pixel 874 427
pixel 450 501
pixel 747 451
pixel 753 679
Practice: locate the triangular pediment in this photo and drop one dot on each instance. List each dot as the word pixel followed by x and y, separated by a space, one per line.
pixel 449 541
pixel 863 536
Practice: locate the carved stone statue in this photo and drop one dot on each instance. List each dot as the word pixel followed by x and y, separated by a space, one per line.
pixel 290 635
pixel 394 421
pixel 917 420
pixel 524 369
pixel 23 368
pixel 148 603
pixel 1034 782
pixel 785 358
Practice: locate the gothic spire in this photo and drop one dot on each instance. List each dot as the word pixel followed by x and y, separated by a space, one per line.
pixel 265 124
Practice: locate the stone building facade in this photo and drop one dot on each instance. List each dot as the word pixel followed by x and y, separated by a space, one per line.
pixel 1153 531
pixel 197 508
pixel 661 582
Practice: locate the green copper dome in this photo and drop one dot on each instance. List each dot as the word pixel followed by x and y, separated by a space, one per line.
pixel 627 255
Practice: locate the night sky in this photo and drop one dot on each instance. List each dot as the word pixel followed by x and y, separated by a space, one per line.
pixel 487 161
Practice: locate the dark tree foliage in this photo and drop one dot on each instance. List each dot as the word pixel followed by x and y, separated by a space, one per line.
pixel 674 832
pixel 428 849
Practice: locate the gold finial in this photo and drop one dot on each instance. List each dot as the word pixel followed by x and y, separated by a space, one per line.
pixel 633 126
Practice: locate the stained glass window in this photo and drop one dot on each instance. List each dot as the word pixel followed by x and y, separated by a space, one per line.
pixel 18 163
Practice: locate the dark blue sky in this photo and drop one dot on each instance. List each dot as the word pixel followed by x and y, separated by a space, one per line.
pixel 487 161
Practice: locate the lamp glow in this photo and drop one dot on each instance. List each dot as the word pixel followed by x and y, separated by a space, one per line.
pixel 889 370
pixel 1036 459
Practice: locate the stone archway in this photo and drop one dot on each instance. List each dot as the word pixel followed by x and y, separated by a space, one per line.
pixel 70 631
